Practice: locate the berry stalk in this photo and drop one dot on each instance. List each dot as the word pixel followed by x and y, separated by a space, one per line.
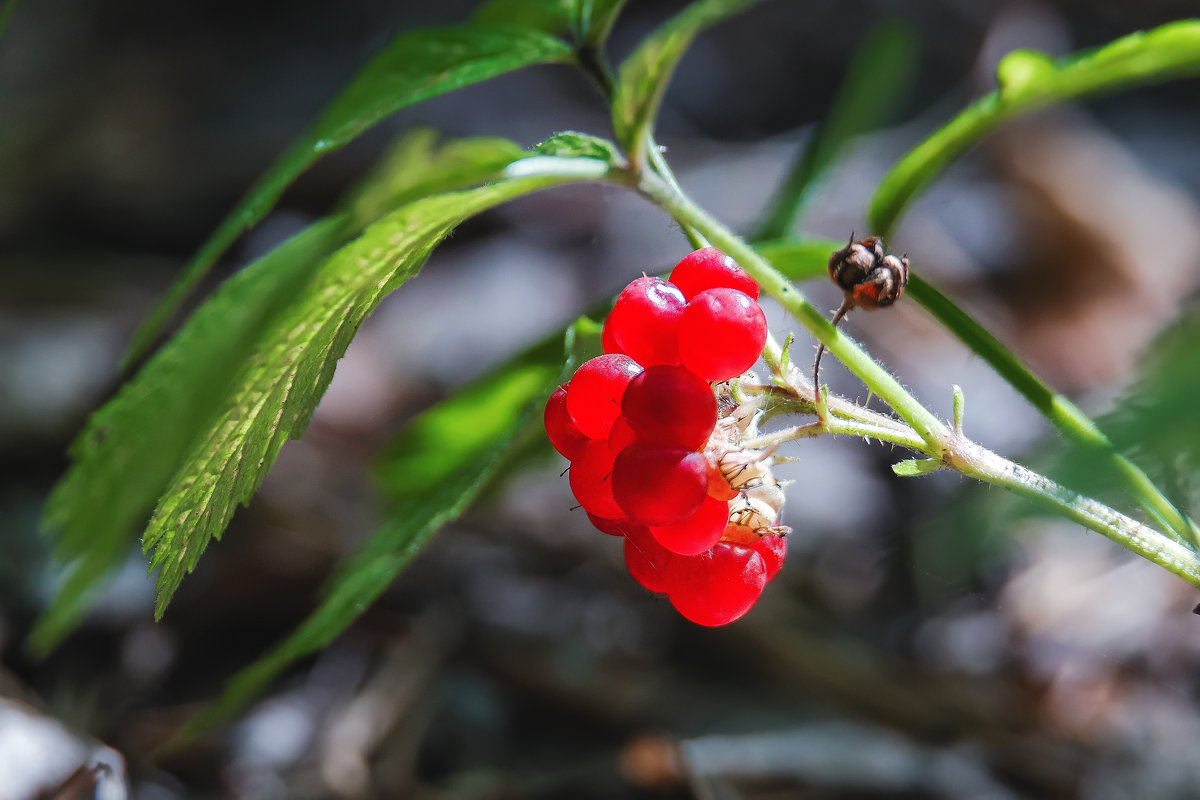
pixel 937 440
pixel 877 379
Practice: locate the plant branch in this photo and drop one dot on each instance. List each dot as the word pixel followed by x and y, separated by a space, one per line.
pixel 925 433
pixel 877 379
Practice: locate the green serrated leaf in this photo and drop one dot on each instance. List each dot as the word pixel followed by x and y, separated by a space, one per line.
pixel 432 471
pixel 915 467
pixel 1028 81
pixel 133 446
pixel 881 70
pixel 644 75
pixel 415 66
pixel 127 452
pixel 289 369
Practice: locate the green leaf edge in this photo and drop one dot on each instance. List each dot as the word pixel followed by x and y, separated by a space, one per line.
pixel 327 135
pixel 364 576
pixel 226 467
pixel 881 71
pixel 644 75
pixel 801 259
pixel 1029 80
pixel 916 467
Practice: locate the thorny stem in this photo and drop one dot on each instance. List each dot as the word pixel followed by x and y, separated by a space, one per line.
pixel 923 432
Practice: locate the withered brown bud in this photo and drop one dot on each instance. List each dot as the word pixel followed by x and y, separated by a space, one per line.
pixel 883 285
pixel 869 278
pixel 850 266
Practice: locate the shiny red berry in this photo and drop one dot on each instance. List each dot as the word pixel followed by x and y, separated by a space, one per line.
pixel 645 321
pixel 670 406
pixel 608 341
pixel 647 560
pixel 621 435
pixel 591 480
pixel 659 485
pixel 563 433
pixel 595 391
pixel 697 533
pixel 718 586
pixel 773 550
pixel 711 269
pixel 721 334
pixel 613 527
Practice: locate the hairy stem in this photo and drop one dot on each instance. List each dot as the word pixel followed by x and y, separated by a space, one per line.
pixel 927 434
pixel 877 379
pixel 977 462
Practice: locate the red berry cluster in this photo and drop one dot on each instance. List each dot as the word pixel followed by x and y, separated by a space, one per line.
pixel 653 460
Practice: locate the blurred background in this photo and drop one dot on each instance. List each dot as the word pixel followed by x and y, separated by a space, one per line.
pixel 927 638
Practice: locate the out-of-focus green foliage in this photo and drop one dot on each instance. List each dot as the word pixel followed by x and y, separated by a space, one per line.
pixel 644 75
pixel 415 66
pixel 881 70
pixel 289 368
pixel 800 259
pixel 588 20
pixel 418 165
pixel 1029 80
pixel 1156 423
pixel 131 449
pixel 128 451
pixel 429 473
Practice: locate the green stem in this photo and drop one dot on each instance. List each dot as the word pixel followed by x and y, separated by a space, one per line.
pixel 841 427
pixel 929 435
pixel 695 239
pixel 1060 411
pixel 592 61
pixel 877 379
pixel 975 461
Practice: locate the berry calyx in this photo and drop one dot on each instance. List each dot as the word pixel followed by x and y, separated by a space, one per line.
pixel 659 485
pixel 697 533
pixel 591 480
pixel 564 434
pixel 721 334
pixel 671 406
pixel 645 321
pixel 595 391
pixel 647 560
pixel 716 587
pixel 709 268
